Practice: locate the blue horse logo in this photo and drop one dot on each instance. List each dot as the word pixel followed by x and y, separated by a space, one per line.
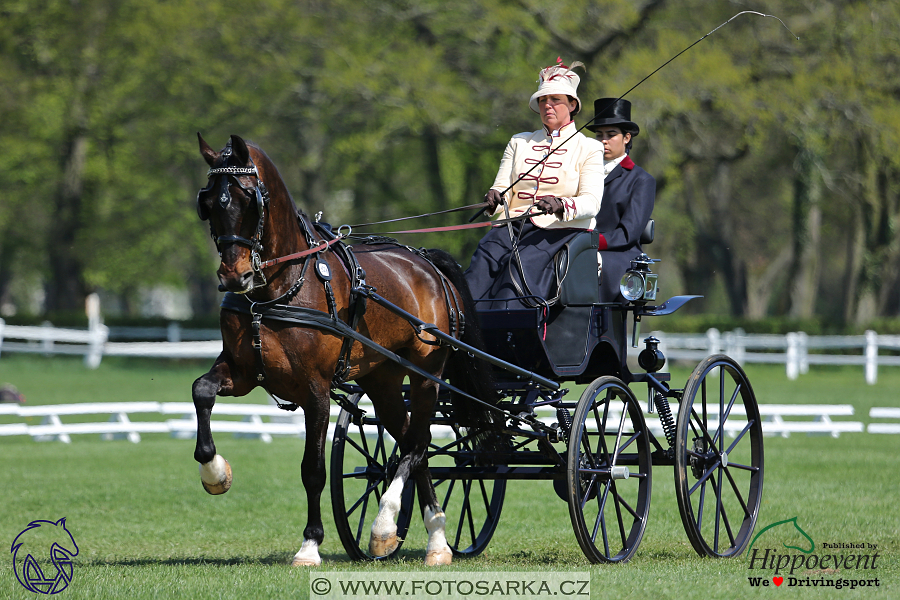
pixel 41 544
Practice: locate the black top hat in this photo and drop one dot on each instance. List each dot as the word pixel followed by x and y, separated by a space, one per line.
pixel 613 111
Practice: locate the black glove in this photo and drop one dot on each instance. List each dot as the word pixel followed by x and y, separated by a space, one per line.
pixel 550 205
pixel 493 199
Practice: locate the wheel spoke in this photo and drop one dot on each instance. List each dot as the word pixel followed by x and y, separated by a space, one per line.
pixel 701 505
pixel 600 522
pixel 737 492
pixel 737 438
pixel 705 476
pixel 616 499
pixel 362 515
pixel 719 510
pixel 628 507
pixel 724 517
pixel 727 412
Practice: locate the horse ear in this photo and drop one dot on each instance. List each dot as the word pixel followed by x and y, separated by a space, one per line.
pixel 239 147
pixel 209 155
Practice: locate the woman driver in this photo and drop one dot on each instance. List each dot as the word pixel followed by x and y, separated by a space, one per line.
pixel 557 174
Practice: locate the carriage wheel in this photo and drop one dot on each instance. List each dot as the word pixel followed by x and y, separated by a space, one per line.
pixel 364 459
pixel 472 505
pixel 608 472
pixel 718 458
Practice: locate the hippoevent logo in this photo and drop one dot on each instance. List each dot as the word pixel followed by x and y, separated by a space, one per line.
pixel 797 563
pixel 42 556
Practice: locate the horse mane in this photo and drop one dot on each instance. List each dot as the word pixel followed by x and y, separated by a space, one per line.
pixel 270 164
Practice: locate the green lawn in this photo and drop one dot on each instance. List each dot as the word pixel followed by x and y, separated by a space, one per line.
pixel 146 528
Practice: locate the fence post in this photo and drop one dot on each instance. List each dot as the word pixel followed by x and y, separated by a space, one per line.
pixel 871 357
pixel 714 341
pixel 803 352
pixel 2 325
pixel 738 346
pixel 97 330
pixel 47 342
pixel 792 358
pixel 173 332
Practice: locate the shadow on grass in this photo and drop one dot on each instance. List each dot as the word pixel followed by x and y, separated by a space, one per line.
pixel 275 559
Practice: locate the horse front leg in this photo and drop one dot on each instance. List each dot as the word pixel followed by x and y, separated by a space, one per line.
pixel 215 472
pixel 312 472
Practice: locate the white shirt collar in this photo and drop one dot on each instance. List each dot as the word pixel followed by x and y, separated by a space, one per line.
pixel 559 131
pixel 609 165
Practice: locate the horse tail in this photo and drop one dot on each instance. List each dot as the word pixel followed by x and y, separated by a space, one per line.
pixel 465 371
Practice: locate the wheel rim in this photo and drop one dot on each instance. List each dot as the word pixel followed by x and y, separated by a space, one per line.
pixel 472 505
pixel 719 458
pixel 364 458
pixel 609 512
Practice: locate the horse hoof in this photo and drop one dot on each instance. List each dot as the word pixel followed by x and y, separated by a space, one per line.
pixel 308 556
pixel 439 558
pixel 383 545
pixel 216 476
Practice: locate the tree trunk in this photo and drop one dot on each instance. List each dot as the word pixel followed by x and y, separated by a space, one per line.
pixel 806 228
pixel 66 290
pixel 431 140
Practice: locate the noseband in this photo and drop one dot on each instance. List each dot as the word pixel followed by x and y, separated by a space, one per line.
pixel 232 174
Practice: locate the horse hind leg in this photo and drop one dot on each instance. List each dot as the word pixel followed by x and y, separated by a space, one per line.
pixel 437 551
pixel 383 540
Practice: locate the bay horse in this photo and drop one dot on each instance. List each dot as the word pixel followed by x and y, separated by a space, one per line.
pixel 253 220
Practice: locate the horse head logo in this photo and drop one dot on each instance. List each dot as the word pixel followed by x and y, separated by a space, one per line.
pixel 793 534
pixel 41 544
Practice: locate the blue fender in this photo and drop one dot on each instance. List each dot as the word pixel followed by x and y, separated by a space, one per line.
pixel 667 307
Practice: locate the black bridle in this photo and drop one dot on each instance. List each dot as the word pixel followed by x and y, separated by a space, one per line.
pixel 233 174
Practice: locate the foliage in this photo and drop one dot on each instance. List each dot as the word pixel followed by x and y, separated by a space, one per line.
pixel 778 183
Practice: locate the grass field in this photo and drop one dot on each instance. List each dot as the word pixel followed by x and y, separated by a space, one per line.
pixel 146 529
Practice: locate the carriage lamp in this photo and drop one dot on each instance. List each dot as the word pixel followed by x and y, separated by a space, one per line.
pixel 651 359
pixel 639 284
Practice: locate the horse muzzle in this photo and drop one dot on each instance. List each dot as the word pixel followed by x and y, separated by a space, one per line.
pixel 234 279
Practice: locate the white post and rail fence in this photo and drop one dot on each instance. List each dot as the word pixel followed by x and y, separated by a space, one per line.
pixel 796 351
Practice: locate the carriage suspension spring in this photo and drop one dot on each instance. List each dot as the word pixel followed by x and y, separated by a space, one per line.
pixel 565 421
pixel 665 417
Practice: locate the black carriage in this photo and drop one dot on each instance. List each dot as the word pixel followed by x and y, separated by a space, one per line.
pixel 599 449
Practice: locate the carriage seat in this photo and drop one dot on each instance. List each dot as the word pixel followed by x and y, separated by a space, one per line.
pixel 576 265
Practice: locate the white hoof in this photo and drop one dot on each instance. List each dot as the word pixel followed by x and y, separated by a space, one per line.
pixel 308 556
pixel 216 476
pixel 437 553
pixel 439 558
pixel 384 544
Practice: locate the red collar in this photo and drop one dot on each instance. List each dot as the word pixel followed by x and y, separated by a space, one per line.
pixel 627 163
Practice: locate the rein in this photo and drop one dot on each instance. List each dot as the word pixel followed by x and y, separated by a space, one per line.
pixel 321 247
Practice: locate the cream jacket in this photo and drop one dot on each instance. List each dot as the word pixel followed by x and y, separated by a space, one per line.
pixel 573 173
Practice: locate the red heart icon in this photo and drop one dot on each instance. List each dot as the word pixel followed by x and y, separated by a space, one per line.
pixel 778 580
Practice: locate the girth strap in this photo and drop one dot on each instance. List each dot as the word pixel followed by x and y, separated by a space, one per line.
pixel 317 319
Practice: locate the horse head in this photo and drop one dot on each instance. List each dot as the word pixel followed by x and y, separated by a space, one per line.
pixel 236 202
